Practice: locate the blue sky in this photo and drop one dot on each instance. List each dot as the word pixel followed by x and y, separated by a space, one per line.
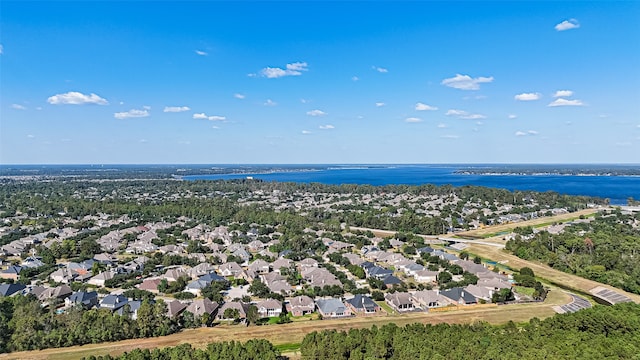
pixel 335 82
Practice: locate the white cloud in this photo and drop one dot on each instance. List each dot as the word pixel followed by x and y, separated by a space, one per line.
pixel 316 112
pixel 526 133
pixel 563 93
pixel 327 127
pixel 203 116
pixel 380 69
pixel 270 102
pixel 30 136
pixel 133 113
pixel 527 96
pixel 567 25
pixel 512 116
pixel 142 141
pixel 306 132
pixel 146 107
pixel 479 123
pixel 293 69
pixel 201 53
pixel 464 114
pixel 1 49
pixel 175 109
pixel 450 136
pixel 423 107
pixel 238 96
pixel 413 120
pixel 565 102
pixel 466 82
pixel 18 107
pixel 355 78
pixel 380 104
pixel 442 126
pixel 76 98
pixel 305 101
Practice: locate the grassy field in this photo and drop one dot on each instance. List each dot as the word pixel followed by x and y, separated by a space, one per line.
pixel 490 231
pixel 288 335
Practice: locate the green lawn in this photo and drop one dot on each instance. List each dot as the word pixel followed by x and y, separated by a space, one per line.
pixel 385 307
pixel 524 290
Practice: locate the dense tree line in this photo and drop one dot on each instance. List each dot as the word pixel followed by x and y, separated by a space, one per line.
pixel 605 250
pixel 233 350
pixel 25 325
pixel 597 333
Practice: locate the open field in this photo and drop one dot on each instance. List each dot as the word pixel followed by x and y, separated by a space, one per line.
pixel 293 333
pixel 494 229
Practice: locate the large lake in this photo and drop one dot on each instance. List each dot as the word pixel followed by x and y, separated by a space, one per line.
pixel 615 188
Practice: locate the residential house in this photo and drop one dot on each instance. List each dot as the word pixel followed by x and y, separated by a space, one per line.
pixel 174 274
pixel 150 284
pixel 242 254
pixel 32 262
pixel 259 267
pixel 280 263
pixel 494 284
pixel 426 249
pixel 212 277
pixel 113 302
pixel 175 308
pixel 409 267
pixel 400 301
pixel 269 308
pixel 105 259
pixel 236 305
pixel 201 269
pixel 363 305
pixel 426 276
pixel 85 299
pixel 430 299
pixel 195 287
pixel 130 309
pixel 63 275
pixel 377 272
pixel 201 307
pixel 12 272
pixel 320 277
pixel 10 289
pixel 479 292
pixel 459 296
pixel 58 292
pixel 230 269
pixel 307 263
pixel 276 283
pixel 332 308
pixel 300 305
pixel 354 259
pixel 256 245
pixel 102 278
pixel 391 280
